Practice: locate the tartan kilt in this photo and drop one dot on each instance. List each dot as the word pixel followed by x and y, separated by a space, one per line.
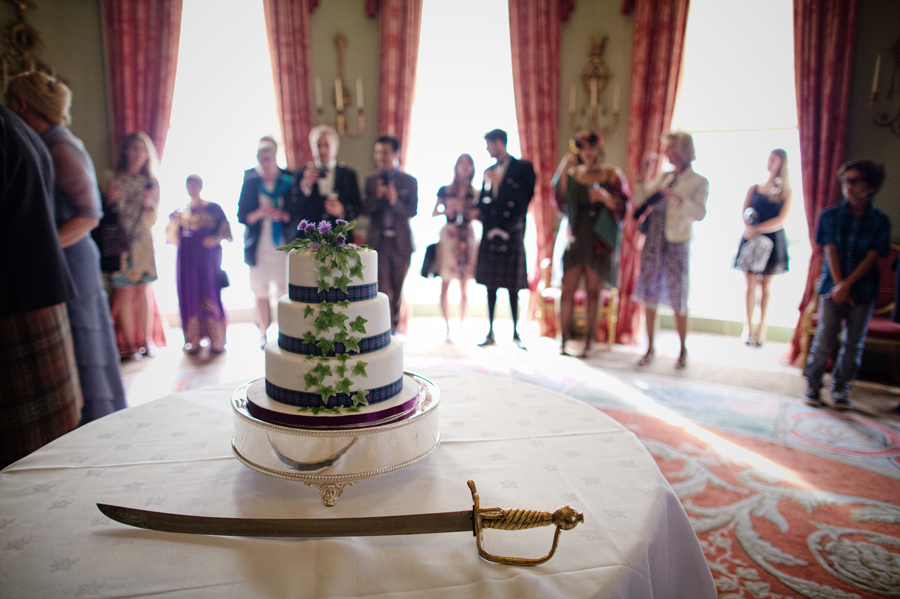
pixel 501 263
pixel 40 398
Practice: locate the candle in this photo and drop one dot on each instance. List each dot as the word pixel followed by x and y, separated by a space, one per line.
pixel 875 79
pixel 318 93
pixel 359 94
pixel 615 106
pixel 338 95
pixel 593 92
pixel 572 94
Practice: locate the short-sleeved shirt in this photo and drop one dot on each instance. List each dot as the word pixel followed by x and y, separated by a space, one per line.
pixel 854 236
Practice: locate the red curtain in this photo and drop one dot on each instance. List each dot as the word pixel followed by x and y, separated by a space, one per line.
pixel 534 31
pixel 657 50
pixel 401 23
pixel 287 26
pixel 142 49
pixel 823 48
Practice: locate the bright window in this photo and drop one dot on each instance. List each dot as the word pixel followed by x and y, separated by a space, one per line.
pixel 737 97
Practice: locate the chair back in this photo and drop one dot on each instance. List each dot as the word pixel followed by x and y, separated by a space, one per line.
pixel 887 281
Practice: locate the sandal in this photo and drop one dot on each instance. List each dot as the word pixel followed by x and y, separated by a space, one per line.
pixel 682 361
pixel 648 357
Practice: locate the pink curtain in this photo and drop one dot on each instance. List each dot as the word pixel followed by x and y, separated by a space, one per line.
pixel 534 30
pixel 287 25
pixel 401 23
pixel 823 48
pixel 657 51
pixel 142 50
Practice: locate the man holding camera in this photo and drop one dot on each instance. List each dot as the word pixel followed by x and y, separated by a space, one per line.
pixel 325 189
pixel 390 199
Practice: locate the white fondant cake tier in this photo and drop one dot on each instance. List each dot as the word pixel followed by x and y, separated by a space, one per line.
pixel 264 408
pixel 293 322
pixel 287 370
pixel 303 268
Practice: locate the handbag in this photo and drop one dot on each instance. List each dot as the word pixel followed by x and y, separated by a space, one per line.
pixel 223 279
pixel 429 264
pixel 113 239
pixel 754 254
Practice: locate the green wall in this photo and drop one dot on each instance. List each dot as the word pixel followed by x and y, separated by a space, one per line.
pixel 73 46
pixel 596 19
pixel 877 31
pixel 361 60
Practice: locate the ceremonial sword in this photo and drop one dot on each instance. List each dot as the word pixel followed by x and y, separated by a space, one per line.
pixel 474 520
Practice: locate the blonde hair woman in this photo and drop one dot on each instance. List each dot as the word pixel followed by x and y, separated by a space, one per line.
pixel 678 199
pixel 43 103
pixel 765 209
pixel 132 190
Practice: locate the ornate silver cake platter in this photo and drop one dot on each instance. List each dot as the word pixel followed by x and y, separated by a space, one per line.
pixel 330 459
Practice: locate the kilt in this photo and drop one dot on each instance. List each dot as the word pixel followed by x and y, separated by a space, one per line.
pixel 501 263
pixel 41 396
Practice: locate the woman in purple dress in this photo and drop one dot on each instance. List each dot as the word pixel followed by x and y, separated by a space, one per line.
pixel 198 231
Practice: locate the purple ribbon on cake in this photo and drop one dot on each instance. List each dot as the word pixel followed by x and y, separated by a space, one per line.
pixel 312 295
pixel 305 399
pixel 377 418
pixel 366 345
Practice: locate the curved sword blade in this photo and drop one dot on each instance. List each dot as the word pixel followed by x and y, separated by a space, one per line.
pixel 414 524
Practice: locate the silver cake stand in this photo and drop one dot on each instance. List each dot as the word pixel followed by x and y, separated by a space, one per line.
pixel 331 459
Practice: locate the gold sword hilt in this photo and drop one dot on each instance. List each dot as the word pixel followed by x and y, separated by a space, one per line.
pixel 565 518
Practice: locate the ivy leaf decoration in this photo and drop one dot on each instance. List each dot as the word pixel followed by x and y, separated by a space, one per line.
pixel 310 379
pixel 315 411
pixel 325 392
pixel 344 303
pixel 322 322
pixel 342 358
pixel 359 369
pixel 359 398
pixel 352 344
pixel 326 347
pixel 304 409
pixel 341 370
pixel 343 386
pixel 322 370
pixel 342 282
pixel 358 325
pixel 335 410
pixel 356 271
pixel 308 311
pixel 338 319
pixel 323 271
pixel 323 252
pixel 340 337
pixel 309 337
pixel 353 409
pixel 323 285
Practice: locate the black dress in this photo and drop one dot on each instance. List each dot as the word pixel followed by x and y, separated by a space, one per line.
pixel 767 209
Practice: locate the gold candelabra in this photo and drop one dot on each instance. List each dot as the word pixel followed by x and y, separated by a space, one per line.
pixel 342 98
pixel 885 110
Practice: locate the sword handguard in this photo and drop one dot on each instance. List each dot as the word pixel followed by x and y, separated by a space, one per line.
pixel 565 518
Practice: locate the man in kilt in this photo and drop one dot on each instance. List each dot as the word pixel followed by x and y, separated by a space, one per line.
pixel 40 395
pixel 502 204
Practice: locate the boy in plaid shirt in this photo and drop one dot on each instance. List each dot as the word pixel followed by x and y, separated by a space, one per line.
pixel 854 234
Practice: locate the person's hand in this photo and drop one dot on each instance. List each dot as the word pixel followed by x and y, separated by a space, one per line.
pixel 750 231
pixel 387 192
pixel 113 194
pixel 310 176
pixel 149 199
pixel 840 294
pixel 597 193
pixel 571 160
pixel 333 206
pixel 279 215
pixel 649 165
pixel 210 241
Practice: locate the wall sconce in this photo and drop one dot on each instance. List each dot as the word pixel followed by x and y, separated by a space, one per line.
pixel 886 113
pixel 601 113
pixel 342 98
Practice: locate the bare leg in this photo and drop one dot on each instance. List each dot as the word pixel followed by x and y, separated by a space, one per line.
pixel 751 305
pixel 766 285
pixel 650 321
pixel 445 302
pixel 262 317
pixel 145 315
pixel 681 323
pixel 566 303
pixel 594 283
pixel 463 301
pixel 125 299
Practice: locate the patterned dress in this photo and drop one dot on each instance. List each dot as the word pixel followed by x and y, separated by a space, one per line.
pixel 456 250
pixel 138 264
pixel 198 273
pixel 664 266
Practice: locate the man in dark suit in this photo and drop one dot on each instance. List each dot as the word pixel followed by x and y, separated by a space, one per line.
pixel 503 203
pixel 325 189
pixel 390 199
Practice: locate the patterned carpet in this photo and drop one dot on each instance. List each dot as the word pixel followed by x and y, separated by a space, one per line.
pixel 787 501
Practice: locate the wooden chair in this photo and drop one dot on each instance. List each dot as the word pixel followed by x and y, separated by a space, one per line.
pixel 882 331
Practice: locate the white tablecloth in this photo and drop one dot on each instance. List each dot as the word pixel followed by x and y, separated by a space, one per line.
pixel 524 446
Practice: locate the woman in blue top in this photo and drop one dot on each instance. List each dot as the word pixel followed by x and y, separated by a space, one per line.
pixel 765 210
pixel 43 103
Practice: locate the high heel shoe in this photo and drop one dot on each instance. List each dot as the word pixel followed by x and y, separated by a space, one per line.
pixel 682 361
pixel 648 357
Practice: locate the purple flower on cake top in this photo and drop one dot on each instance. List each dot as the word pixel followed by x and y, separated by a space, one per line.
pixel 302 225
pixel 341 239
pixel 341 222
pixel 324 227
pixel 310 227
pixel 314 245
